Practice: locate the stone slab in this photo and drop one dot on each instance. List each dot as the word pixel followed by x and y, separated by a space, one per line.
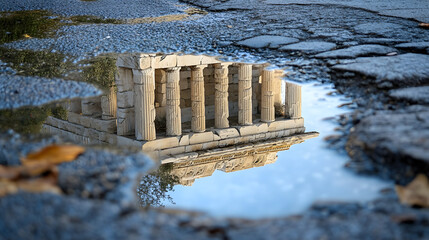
pixel 162 143
pixel 410 69
pixel 357 51
pixel 195 138
pixel 253 129
pixel 414 46
pixel 227 133
pixel 309 46
pixel 269 41
pixel 125 99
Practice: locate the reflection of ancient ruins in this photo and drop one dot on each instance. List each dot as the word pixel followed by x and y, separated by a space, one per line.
pixel 188 167
pixel 173 104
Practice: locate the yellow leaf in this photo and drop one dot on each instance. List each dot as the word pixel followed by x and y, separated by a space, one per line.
pixel 416 193
pixel 53 154
pixel 26 36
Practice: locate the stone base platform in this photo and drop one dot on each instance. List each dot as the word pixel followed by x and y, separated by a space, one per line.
pixel 164 147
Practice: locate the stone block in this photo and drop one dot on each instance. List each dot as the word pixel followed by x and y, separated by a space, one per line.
pixel 209 60
pixel 227 133
pixel 165 61
pixel 135 61
pixel 171 151
pixel 125 99
pixel 216 137
pixel 285 124
pixel 73 117
pixel 227 142
pixel 194 147
pixel 85 121
pixel 210 145
pixel 125 141
pixel 184 140
pixel 195 138
pixel 253 129
pixel 74 128
pixel 124 79
pixel 104 125
pixel 91 134
pixel 91 106
pixel 125 121
pixel 188 60
pixel 162 143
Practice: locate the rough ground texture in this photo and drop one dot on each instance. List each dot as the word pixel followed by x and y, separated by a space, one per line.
pixel 104 8
pixel 18 91
pixel 47 216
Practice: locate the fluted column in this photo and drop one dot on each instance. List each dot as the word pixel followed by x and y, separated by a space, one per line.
pixel 267 98
pixel 245 94
pixel 144 100
pixel 221 96
pixel 173 113
pixel 293 100
pixel 198 123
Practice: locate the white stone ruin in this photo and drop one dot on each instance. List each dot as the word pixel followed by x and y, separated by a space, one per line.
pixel 176 104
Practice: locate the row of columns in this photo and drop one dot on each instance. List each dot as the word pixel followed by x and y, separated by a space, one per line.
pixel 144 98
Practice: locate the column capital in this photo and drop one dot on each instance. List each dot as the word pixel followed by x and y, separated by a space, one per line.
pixel 222 65
pixel 172 69
pixel 198 66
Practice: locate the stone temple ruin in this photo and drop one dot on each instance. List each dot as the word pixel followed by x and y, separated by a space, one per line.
pixel 175 106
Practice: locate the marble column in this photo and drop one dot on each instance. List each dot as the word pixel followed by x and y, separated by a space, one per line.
pixel 267 98
pixel 125 102
pixel 144 103
pixel 221 96
pixel 293 100
pixel 245 94
pixel 173 113
pixel 198 122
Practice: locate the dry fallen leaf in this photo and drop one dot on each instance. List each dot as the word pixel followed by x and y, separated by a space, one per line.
pixel 416 193
pixel 424 25
pixel 53 154
pixel 38 172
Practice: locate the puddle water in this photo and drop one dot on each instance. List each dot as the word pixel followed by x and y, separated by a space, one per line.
pixel 230 136
pixel 305 173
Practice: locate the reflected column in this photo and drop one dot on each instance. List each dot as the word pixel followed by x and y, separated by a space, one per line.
pixel 144 100
pixel 245 94
pixel 198 123
pixel 173 114
pixel 221 95
pixel 293 100
pixel 267 99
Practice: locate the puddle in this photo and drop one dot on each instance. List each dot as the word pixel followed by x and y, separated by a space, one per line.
pixel 305 173
pixel 226 130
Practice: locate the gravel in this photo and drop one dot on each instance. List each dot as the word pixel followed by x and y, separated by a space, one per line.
pixel 18 91
pixel 102 8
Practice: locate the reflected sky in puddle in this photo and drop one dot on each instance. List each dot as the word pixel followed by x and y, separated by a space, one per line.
pixel 305 173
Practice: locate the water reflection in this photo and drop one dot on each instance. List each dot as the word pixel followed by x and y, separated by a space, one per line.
pixel 198 115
